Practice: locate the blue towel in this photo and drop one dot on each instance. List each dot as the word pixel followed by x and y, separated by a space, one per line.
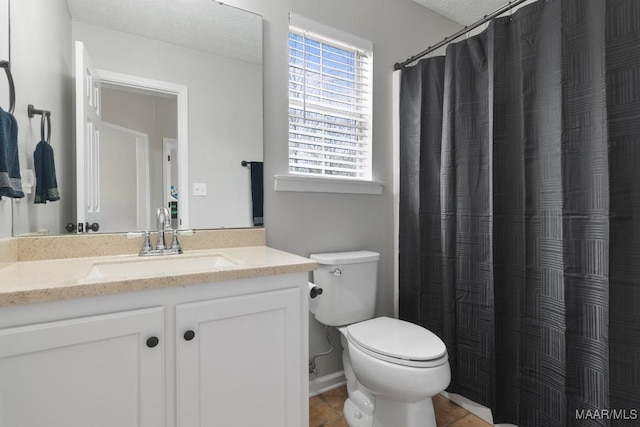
pixel 257 193
pixel 46 183
pixel 10 181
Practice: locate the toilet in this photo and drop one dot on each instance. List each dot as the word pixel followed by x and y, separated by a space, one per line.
pixel 393 368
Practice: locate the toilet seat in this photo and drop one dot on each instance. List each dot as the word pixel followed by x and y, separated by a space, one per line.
pixel 398 342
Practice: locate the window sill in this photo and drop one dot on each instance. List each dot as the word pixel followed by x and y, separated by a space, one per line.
pixel 326 185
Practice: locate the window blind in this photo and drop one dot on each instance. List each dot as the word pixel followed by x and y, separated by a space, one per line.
pixel 329 107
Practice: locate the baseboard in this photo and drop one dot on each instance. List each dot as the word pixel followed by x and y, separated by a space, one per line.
pixel 475 408
pixel 326 383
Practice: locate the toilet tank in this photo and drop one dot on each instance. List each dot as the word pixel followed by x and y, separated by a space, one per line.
pixel 348 281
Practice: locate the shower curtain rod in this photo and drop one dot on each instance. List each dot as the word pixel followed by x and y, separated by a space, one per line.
pixel 462 32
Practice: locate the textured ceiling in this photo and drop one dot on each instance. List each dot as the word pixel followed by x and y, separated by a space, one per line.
pixel 464 12
pixel 204 25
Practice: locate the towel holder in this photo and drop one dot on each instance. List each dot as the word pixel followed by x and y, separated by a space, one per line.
pixel 245 163
pixel 12 87
pixel 32 111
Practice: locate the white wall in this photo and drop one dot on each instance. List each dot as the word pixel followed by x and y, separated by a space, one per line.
pixel 304 223
pixel 225 115
pixel 42 74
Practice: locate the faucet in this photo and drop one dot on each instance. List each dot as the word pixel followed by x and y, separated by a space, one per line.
pixel 163 226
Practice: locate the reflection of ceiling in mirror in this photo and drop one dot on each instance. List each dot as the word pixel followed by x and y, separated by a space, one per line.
pixel 203 25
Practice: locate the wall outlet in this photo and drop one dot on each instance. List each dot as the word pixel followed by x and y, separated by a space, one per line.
pixel 199 189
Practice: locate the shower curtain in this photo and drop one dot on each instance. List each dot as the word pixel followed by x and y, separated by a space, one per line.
pixel 520 212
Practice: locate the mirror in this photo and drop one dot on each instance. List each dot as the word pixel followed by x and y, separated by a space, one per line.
pixel 212 51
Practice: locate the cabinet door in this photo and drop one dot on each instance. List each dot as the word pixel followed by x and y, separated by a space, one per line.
pixel 242 366
pixel 86 372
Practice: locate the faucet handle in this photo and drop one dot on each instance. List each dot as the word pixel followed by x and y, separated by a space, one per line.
pixel 146 244
pixel 175 245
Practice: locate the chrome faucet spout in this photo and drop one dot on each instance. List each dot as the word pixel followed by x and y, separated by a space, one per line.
pixel 167 219
pixel 161 218
pixel 161 222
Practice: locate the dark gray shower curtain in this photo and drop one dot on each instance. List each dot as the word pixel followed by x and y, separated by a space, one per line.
pixel 520 211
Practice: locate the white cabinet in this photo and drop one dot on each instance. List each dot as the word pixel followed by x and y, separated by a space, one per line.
pixel 88 371
pixel 87 362
pixel 233 360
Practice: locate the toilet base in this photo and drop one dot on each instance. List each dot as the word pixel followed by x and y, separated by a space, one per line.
pixel 355 417
pixel 391 413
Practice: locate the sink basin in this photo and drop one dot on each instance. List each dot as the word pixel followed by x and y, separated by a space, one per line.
pixel 157 266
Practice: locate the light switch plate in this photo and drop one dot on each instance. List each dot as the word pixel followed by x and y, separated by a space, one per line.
pixel 199 189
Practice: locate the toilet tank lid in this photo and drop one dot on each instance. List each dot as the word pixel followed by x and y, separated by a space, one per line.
pixel 352 257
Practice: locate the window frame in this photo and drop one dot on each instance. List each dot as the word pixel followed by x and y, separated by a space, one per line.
pixel 333 183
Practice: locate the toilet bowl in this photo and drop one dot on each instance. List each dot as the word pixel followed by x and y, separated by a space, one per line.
pixel 401 366
pixel 393 368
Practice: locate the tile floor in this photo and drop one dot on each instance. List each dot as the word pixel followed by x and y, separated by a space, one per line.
pixel 325 410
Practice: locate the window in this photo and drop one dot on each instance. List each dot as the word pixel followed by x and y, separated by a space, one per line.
pixel 329 106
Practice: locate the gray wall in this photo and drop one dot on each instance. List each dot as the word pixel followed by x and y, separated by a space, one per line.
pixel 304 223
pixel 42 75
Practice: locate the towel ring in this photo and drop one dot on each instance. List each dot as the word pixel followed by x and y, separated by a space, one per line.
pixel 12 87
pixel 42 133
pixel 32 111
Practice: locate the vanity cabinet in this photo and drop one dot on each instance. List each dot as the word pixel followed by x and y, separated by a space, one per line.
pixel 223 354
pixel 234 359
pixel 102 370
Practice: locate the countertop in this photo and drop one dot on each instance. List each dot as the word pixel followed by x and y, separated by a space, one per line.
pixel 27 282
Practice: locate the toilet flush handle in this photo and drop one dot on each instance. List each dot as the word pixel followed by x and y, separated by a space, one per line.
pixel 337 272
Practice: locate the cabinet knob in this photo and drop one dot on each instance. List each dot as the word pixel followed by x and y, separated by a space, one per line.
pixel 152 342
pixel 189 335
